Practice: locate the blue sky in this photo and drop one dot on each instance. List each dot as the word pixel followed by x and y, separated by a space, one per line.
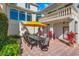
pixel 42 5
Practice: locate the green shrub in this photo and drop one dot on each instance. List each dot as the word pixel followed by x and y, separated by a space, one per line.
pixel 10 50
pixel 7 40
pixel 15 36
pixel 9 46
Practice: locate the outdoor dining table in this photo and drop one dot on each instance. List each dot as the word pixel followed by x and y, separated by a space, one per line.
pixel 36 38
pixel 43 42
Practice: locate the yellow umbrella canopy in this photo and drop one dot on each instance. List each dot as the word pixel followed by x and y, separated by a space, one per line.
pixel 34 23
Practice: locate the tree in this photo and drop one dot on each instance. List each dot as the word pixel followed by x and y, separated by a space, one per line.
pixel 3 25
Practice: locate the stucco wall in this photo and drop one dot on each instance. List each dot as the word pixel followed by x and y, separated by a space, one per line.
pixel 75 27
pixel 33 8
pixel 33 17
pixel 78 32
pixel 13 28
pixel 71 26
pixel 21 5
pixel 58 29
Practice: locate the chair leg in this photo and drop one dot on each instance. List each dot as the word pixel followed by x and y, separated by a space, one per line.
pixel 44 48
pixel 31 47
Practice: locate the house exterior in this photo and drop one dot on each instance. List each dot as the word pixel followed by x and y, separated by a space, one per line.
pixel 62 18
pixel 17 13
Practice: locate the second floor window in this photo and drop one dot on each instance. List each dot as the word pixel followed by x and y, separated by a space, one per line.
pixel 38 16
pixel 29 17
pixel 21 15
pixel 78 6
pixel 17 15
pixel 27 5
pixel 14 14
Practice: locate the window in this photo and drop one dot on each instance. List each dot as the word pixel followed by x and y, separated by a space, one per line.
pixel 78 6
pixel 38 16
pixel 14 14
pixel 29 17
pixel 27 5
pixel 21 15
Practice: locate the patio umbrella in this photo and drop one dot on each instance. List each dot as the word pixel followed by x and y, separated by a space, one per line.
pixel 34 24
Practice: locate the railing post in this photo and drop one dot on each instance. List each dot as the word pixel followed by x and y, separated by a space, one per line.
pixel 64 12
pixel 70 10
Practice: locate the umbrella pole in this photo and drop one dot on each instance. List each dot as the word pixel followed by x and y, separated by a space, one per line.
pixel 34 30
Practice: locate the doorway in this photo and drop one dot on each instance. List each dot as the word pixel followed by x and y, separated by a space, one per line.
pixel 65 31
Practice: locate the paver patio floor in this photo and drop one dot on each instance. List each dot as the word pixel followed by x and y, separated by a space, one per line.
pixel 56 48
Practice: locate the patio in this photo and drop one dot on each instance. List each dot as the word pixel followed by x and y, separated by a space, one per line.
pixel 56 48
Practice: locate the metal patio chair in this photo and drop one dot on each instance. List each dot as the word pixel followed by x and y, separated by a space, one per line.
pixel 44 43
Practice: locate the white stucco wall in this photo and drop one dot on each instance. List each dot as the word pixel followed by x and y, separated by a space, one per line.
pixel 21 5
pixel 58 29
pixel 76 7
pixel 71 26
pixel 78 33
pixel 33 17
pixel 33 8
pixel 75 27
pixel 13 28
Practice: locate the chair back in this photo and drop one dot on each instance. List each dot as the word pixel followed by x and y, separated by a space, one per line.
pixel 46 42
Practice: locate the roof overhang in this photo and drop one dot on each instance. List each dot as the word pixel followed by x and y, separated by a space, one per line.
pixel 34 4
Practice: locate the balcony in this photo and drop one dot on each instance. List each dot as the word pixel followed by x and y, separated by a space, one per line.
pixel 65 12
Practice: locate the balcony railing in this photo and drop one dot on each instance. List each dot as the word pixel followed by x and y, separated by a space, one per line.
pixel 59 13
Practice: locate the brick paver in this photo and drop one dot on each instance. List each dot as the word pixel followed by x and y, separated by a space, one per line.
pixel 56 48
